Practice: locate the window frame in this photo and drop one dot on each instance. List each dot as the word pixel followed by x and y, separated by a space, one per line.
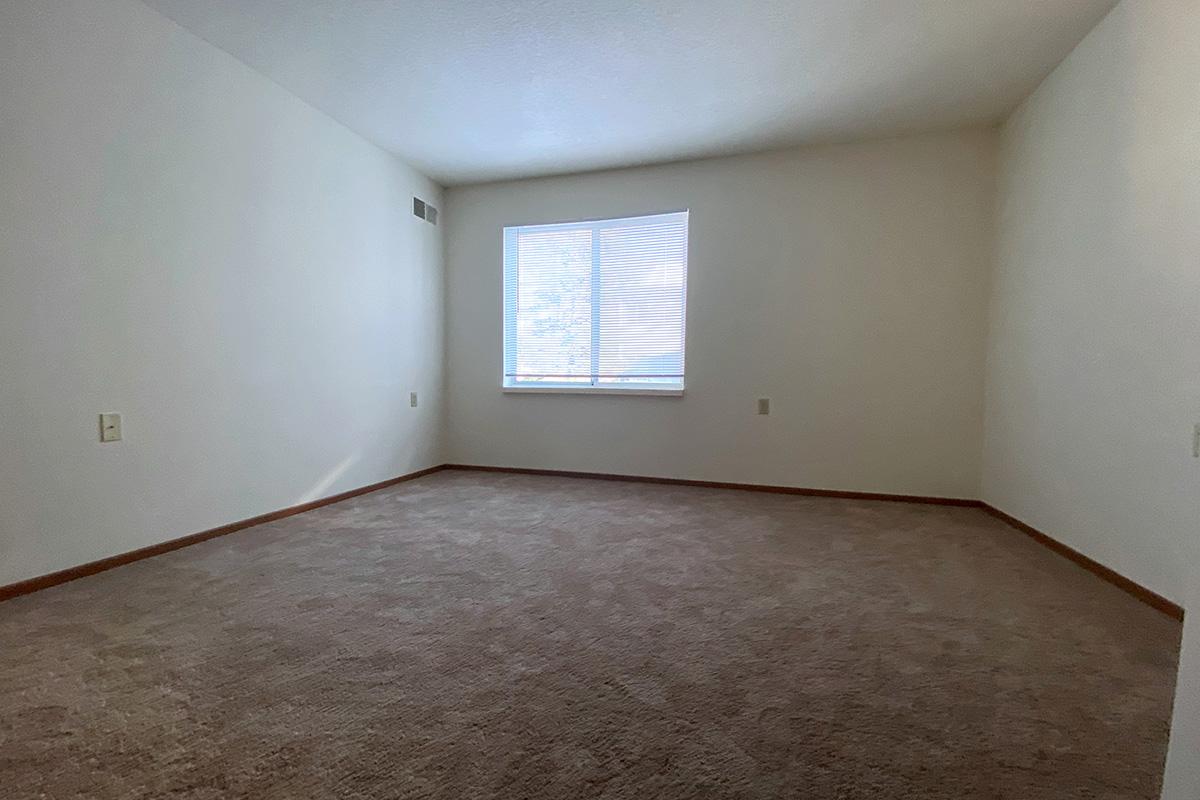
pixel 628 388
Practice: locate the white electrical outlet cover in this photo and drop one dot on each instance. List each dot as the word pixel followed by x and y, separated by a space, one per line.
pixel 110 427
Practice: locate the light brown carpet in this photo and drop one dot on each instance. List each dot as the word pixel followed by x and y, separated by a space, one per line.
pixel 473 635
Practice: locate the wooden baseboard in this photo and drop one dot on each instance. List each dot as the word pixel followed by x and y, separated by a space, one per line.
pixel 745 487
pixel 1147 596
pixel 92 567
pixel 1134 588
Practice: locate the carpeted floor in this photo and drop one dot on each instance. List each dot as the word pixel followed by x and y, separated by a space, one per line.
pixel 472 635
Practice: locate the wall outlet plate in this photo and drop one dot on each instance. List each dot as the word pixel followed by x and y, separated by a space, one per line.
pixel 110 427
pixel 412 399
pixel 764 406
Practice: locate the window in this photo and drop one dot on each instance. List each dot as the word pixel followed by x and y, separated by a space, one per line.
pixel 596 306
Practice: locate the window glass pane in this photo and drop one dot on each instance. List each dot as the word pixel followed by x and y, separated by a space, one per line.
pixel 642 288
pixel 596 304
pixel 554 305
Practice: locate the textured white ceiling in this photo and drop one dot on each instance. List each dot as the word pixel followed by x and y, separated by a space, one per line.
pixel 472 90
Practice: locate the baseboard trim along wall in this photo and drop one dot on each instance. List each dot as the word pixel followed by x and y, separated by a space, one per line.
pixel 1135 589
pixel 745 487
pixel 92 567
pixel 1147 596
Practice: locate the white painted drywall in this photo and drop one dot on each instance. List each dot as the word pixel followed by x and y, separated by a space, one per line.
pixel 846 283
pixel 185 243
pixel 1182 780
pixel 1094 351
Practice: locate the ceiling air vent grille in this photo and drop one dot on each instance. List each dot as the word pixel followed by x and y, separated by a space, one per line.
pixel 424 211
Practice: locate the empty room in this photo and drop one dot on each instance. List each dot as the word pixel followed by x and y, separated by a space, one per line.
pixel 618 399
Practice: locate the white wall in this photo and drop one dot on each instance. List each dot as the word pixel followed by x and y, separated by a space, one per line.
pixel 1182 781
pixel 846 283
pixel 185 243
pixel 1094 363
pixel 1094 347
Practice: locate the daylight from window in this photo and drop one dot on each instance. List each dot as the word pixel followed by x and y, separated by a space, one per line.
pixel 596 305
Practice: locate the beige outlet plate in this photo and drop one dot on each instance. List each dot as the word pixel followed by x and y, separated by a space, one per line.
pixel 110 427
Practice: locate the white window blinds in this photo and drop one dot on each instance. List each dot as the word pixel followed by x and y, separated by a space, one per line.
pixel 596 304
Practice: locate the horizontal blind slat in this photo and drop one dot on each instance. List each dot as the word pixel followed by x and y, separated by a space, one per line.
pixel 637 285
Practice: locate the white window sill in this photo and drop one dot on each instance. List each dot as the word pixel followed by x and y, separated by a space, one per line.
pixel 639 391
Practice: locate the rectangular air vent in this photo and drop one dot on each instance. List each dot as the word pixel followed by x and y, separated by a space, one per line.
pixel 424 211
